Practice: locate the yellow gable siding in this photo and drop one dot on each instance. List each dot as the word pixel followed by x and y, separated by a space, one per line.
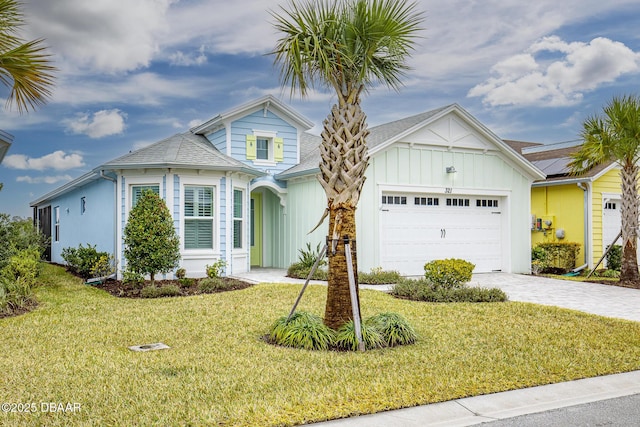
pixel 607 184
pixel 564 206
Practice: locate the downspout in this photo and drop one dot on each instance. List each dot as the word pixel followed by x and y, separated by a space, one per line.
pixel 115 215
pixel 587 220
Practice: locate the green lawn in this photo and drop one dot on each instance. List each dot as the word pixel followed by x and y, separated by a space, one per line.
pixel 73 349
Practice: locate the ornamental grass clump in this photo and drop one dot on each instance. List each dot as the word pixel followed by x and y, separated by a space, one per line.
pixel 303 330
pixel 393 328
pixel 346 337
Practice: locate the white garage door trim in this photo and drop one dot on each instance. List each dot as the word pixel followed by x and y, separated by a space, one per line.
pixel 417 226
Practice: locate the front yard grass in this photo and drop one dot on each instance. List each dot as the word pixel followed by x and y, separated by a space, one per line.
pixel 218 371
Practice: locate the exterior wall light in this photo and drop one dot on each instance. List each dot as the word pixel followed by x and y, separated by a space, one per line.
pixel 451 169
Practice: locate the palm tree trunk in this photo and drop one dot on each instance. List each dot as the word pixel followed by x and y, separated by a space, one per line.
pixel 344 161
pixel 338 310
pixel 629 214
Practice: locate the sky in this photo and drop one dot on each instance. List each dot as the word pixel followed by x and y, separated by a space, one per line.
pixel 131 73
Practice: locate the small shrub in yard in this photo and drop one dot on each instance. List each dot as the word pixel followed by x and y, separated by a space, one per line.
pixel 378 276
pixel 186 281
pixel 448 273
pixel 299 271
pixel 83 259
pixel 131 277
pixel 561 256
pixel 424 290
pixel 614 258
pixel 162 291
pixel 346 337
pixel 212 284
pixel 394 329
pixel 304 330
pixel 215 269
pixel 308 257
pixel 181 273
pixel 15 294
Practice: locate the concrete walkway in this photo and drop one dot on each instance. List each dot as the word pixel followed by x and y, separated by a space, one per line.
pixel 604 300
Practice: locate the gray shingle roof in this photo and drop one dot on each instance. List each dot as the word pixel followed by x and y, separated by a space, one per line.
pixel 181 150
pixel 310 153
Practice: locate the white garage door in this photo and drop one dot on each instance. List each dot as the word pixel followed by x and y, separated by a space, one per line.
pixel 416 229
pixel 611 222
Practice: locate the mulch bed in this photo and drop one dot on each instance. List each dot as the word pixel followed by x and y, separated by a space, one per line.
pixel 132 290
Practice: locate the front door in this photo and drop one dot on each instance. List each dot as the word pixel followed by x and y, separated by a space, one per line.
pixel 256 229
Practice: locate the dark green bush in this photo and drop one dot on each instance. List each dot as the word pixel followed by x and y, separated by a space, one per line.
pixel 162 291
pixel 212 284
pixel 303 330
pixel 448 273
pixel 560 255
pixel 299 271
pixel 181 273
pixel 393 328
pixel 17 234
pixel 83 259
pixel 346 337
pixel 614 258
pixel 424 290
pixel 378 276
pixel 186 281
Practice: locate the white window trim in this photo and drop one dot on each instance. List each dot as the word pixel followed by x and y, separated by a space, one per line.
pixel 190 181
pixel 243 237
pixel 131 182
pixel 271 136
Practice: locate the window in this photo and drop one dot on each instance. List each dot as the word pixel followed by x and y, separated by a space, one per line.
pixel 83 205
pixel 610 205
pixel 238 204
pixel 136 192
pixel 426 201
pixel 56 216
pixel 458 202
pixel 394 200
pixel 486 203
pixel 262 149
pixel 198 217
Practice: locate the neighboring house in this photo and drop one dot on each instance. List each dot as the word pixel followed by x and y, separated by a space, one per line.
pixel 584 209
pixel 5 142
pixel 242 187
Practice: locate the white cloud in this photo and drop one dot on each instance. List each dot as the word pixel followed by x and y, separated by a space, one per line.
pixel 184 59
pixel 44 179
pixel 99 124
pixel 101 35
pixel 57 160
pixel 524 79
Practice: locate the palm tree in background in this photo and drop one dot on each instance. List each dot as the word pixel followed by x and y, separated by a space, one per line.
pixel 615 135
pixel 348 46
pixel 24 66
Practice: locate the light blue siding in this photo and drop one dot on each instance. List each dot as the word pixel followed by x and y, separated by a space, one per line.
pixel 272 123
pixel 95 226
pixel 219 140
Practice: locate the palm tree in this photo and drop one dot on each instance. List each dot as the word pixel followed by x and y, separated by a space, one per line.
pixel 24 67
pixel 347 46
pixel 616 136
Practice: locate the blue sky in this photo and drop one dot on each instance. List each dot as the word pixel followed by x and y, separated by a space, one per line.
pixel 132 73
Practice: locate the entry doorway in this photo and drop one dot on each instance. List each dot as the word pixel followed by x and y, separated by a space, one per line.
pixel 256 229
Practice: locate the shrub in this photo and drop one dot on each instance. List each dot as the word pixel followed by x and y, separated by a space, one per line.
pixel 23 264
pixel 15 294
pixel 539 260
pixel 212 284
pixel 186 281
pixel 424 290
pixel 131 277
pixel 307 258
pixel 104 266
pixel 346 337
pixel 181 273
pixel 299 271
pixel 151 243
pixel 215 269
pixel 304 330
pixel 614 258
pixel 560 255
pixel 378 276
pixel 17 234
pixel 82 260
pixel 448 273
pixel 393 328
pixel 162 291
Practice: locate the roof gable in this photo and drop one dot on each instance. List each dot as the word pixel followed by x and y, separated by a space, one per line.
pixel 268 102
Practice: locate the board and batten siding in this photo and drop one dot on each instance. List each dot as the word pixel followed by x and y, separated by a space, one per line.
pixel 420 169
pixel 608 183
